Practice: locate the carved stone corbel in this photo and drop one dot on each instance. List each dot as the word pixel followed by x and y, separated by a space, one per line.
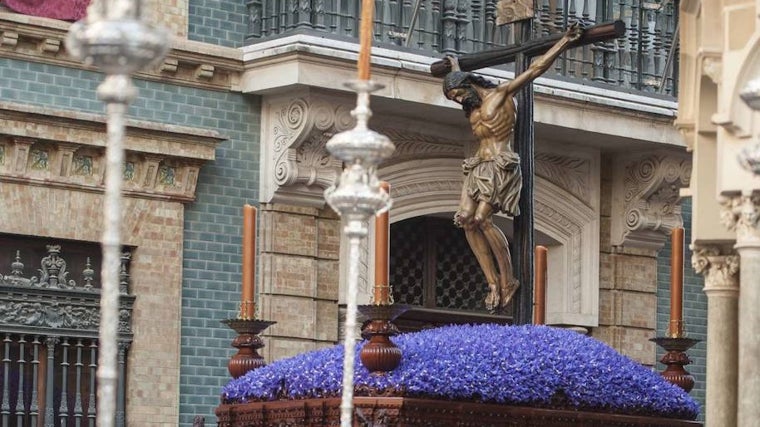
pixel 645 199
pixel 298 167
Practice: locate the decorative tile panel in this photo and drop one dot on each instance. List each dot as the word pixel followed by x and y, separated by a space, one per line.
pixel 39 159
pixel 82 165
pixel 129 171
pixel 166 175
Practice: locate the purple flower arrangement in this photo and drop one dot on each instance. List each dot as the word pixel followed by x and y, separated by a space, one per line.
pixel 534 366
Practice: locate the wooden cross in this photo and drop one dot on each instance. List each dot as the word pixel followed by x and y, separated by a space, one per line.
pixel 521 54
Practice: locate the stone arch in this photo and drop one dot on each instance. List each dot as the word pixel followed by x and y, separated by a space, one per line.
pixel 570 227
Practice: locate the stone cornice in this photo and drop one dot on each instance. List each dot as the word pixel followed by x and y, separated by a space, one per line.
pixel 188 63
pixel 303 53
pixel 66 149
pixel 646 196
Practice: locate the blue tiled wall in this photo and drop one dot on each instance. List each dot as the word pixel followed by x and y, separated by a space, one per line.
pixel 211 269
pixel 220 22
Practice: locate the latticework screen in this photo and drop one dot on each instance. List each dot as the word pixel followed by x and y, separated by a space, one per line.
pixel 431 265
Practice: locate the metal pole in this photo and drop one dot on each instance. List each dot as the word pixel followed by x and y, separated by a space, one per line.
pixel 113 38
pixel 356 230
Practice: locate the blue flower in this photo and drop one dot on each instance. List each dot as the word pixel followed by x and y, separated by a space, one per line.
pixel 516 365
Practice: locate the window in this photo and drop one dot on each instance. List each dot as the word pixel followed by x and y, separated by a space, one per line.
pixel 433 269
pixel 49 318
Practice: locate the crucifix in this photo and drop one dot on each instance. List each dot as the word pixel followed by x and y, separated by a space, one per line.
pixel 499 177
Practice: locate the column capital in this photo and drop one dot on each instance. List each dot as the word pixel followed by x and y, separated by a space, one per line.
pixel 741 214
pixel 720 266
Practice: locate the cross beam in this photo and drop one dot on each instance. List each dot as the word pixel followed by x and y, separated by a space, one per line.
pixel 521 53
pixel 530 48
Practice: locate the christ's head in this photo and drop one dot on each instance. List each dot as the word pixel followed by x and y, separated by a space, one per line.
pixel 459 87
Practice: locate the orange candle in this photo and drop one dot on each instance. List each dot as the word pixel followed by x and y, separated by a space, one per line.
pixel 539 291
pixel 365 38
pixel 675 329
pixel 382 253
pixel 249 262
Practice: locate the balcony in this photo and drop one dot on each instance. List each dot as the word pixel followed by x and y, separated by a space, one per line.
pixel 644 60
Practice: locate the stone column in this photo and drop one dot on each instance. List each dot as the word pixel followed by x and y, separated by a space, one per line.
pixel 741 214
pixel 720 266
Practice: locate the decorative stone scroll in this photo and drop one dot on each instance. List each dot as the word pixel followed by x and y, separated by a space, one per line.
pixel 645 198
pixel 52 300
pixel 297 167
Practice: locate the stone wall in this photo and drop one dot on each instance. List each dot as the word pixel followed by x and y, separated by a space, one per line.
pixel 298 278
pixel 154 227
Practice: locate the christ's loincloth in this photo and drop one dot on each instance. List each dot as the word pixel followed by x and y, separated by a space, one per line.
pixel 497 182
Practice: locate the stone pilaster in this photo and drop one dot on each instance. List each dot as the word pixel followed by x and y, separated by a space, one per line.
pixel 298 277
pixel 627 282
pixel 741 214
pixel 720 266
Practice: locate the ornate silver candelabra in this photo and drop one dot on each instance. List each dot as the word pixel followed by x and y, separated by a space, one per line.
pixel 113 38
pixel 356 197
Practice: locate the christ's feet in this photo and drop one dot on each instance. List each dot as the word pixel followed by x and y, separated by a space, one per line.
pixel 508 291
pixel 493 297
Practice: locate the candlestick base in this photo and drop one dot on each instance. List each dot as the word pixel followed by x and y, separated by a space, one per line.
pixel 675 359
pixel 380 354
pixel 247 342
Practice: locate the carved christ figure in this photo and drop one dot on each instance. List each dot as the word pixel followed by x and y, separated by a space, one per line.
pixel 492 178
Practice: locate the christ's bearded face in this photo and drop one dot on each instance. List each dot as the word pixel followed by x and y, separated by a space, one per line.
pixel 467 97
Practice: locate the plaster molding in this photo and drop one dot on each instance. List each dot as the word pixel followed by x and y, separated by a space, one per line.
pixel 571 173
pixel 67 150
pixel 188 63
pixel 734 114
pixel 712 67
pixel 741 214
pixel 720 266
pixel 645 198
pixel 417 145
pixel 297 167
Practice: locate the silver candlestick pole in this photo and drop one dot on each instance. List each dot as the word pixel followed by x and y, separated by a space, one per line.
pixel 356 197
pixel 113 38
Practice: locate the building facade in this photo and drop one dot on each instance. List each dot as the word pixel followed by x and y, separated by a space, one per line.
pixel 240 111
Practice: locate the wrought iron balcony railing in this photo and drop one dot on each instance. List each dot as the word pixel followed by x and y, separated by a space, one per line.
pixel 644 59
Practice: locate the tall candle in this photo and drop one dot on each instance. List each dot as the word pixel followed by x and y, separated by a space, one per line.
pixel 365 38
pixel 539 313
pixel 382 252
pixel 675 329
pixel 249 262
